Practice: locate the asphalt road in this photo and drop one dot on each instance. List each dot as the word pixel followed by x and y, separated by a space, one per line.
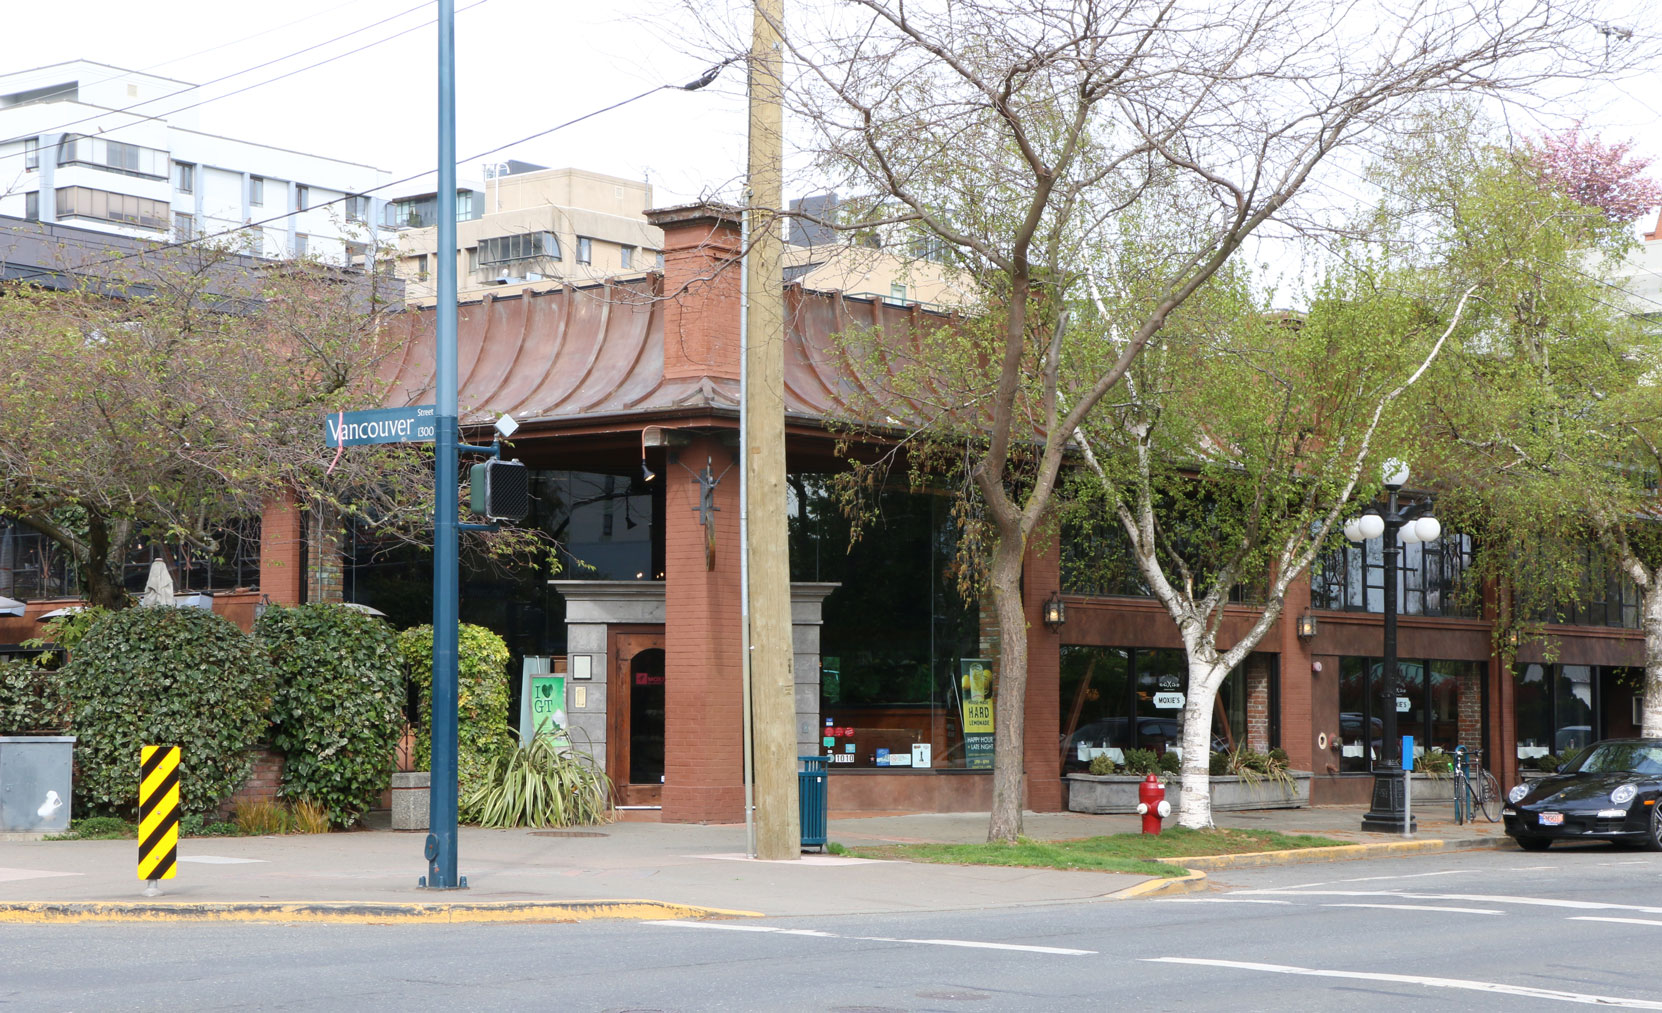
pixel 1470 931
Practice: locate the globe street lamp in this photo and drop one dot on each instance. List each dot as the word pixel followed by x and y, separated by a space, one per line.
pixel 1406 525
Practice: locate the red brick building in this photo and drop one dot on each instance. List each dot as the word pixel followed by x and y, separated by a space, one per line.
pixel 627 396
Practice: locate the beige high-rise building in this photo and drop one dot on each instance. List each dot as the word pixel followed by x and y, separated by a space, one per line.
pixel 527 225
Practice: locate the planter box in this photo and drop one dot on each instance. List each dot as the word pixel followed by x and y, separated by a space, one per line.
pixel 35 781
pixel 1117 793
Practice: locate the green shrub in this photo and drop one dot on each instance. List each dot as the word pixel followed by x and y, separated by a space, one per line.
pixel 1102 765
pixel 1141 762
pixel 338 707
pixel 546 783
pixel 98 828
pixel 482 691
pixel 165 677
pixel 1169 763
pixel 1217 764
pixel 33 700
pixel 197 825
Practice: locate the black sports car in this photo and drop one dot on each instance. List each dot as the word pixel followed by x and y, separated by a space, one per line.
pixel 1608 793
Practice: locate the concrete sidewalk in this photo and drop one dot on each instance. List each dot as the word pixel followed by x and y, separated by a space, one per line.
pixel 662 870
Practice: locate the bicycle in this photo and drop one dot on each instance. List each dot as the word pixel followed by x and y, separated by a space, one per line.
pixel 1475 792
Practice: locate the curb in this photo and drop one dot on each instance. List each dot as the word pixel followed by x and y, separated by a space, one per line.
pixel 1342 853
pixel 1193 882
pixel 40 912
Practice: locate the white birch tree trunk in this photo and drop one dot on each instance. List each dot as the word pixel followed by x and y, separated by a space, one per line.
pixel 1194 809
pixel 1650 620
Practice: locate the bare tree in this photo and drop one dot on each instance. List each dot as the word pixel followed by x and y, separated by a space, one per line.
pixel 1153 138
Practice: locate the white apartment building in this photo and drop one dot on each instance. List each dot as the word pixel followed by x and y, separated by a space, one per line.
pixel 113 150
pixel 527 225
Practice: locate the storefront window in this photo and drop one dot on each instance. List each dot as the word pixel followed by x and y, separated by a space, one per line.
pixel 1573 708
pixel 898 644
pixel 1119 698
pixel 1428 708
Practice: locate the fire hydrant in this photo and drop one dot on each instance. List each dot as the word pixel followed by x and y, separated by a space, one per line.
pixel 1152 804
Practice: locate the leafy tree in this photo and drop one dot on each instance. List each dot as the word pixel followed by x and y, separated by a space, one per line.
pixel 1033 142
pixel 1561 450
pixel 1241 441
pixel 338 707
pixel 162 396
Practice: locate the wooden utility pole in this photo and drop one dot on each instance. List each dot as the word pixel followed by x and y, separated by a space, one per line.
pixel 772 681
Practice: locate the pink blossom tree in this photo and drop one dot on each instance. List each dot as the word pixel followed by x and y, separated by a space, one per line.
pixel 1604 176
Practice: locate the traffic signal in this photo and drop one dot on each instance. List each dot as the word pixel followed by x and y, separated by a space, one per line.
pixel 501 490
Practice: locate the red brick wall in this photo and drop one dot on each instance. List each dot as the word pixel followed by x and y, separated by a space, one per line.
pixel 1257 671
pixel 264 784
pixel 1300 686
pixel 701 290
pixel 703 764
pixel 282 563
pixel 1040 577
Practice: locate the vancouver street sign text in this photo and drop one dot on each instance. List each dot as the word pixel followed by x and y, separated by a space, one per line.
pixel 413 424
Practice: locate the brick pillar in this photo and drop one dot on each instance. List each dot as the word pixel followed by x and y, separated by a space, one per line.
pixel 282 551
pixel 703 765
pixel 1298 722
pixel 1040 576
pixel 1256 670
pixel 326 551
pixel 701 289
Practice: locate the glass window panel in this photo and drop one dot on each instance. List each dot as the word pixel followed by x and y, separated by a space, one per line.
pixel 1443 688
pixel 1573 707
pixel 1095 698
pixel 1532 709
pixel 1360 733
pixel 1158 671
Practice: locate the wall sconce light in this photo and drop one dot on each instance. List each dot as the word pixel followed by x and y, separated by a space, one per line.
pixel 1055 612
pixel 1306 626
pixel 1512 638
pixel 260 608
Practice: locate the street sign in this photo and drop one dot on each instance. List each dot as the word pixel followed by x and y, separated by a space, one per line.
pixel 1168 701
pixel 158 813
pixel 411 424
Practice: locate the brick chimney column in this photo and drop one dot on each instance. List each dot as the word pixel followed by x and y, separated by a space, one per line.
pixel 701 289
pixel 703 762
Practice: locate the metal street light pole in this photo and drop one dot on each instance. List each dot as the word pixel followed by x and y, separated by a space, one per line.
pixel 1386 815
pixel 441 798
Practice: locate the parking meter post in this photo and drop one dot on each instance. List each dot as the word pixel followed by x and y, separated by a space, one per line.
pixel 1407 754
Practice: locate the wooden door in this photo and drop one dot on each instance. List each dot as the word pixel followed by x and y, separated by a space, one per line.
pixel 635 717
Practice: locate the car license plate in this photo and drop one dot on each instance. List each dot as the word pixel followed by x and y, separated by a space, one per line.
pixel 1552 819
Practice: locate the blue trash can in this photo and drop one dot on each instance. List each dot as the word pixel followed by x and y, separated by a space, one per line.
pixel 813 800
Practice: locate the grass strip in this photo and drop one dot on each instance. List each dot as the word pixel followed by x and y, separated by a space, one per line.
pixel 1133 853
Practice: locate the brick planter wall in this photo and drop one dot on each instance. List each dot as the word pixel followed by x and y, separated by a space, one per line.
pixel 264 784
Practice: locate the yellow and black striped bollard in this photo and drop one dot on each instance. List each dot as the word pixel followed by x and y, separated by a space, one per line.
pixel 158 815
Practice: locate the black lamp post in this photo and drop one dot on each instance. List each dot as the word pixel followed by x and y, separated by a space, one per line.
pixel 1387 813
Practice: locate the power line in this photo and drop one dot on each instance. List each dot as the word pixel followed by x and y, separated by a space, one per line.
pixel 69 89
pixel 142 117
pixel 695 85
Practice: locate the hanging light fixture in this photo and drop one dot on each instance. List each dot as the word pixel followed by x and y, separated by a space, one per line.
pixel 1055 612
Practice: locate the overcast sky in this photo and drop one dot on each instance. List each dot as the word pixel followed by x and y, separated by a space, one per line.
pixel 522 66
